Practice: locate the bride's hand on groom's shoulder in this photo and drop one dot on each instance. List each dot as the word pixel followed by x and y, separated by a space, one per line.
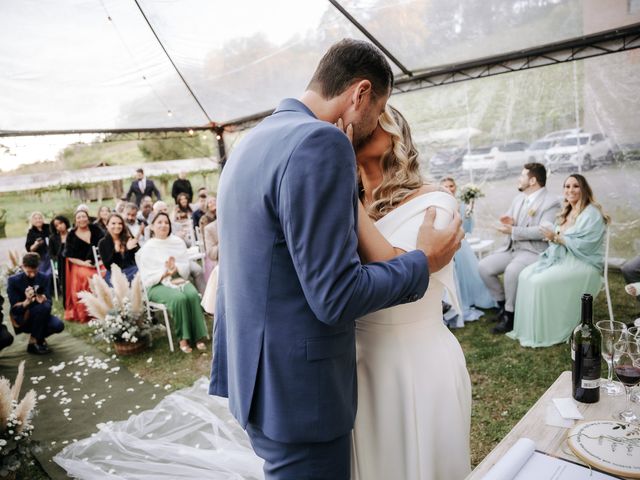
pixel 439 245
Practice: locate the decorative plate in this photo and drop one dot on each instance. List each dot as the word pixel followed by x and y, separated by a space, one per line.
pixel 610 446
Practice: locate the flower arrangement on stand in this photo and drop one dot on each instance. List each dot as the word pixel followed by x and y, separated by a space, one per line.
pixel 119 314
pixel 468 195
pixel 16 443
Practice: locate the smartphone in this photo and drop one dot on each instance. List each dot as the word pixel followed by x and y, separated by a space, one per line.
pixel 36 289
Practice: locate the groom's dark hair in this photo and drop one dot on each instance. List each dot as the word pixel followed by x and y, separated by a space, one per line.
pixel 348 61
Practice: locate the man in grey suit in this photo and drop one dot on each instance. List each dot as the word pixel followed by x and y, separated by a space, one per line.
pixel 533 206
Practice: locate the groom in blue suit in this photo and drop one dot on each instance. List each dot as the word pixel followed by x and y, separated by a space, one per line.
pixel 290 280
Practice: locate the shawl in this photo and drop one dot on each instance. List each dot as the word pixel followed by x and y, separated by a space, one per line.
pixel 583 240
pixel 153 255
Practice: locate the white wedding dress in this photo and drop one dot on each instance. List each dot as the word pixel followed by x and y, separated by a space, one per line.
pixel 414 391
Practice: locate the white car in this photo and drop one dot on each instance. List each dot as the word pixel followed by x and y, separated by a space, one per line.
pixel 580 151
pixel 537 150
pixel 496 158
pixel 560 134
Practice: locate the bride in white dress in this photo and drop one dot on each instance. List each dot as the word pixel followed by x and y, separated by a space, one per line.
pixel 414 391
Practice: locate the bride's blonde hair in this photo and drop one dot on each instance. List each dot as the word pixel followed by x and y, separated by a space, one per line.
pixel 400 168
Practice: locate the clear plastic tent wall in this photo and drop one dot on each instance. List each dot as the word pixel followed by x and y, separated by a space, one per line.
pixel 108 65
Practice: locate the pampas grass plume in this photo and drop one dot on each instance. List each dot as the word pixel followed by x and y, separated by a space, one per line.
pixel 5 401
pixel 136 295
pixel 24 409
pixel 95 305
pixel 120 283
pixel 17 385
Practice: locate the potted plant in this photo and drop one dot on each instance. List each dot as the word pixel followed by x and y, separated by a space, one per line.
pixel 16 443
pixel 119 313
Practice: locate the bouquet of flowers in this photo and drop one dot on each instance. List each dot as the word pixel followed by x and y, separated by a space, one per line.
pixel 469 193
pixel 119 313
pixel 16 443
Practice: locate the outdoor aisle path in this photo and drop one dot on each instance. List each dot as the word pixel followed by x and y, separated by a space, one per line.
pixel 78 387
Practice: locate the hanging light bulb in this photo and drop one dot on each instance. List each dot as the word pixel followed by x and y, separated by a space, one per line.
pixel 169 113
pixel 191 131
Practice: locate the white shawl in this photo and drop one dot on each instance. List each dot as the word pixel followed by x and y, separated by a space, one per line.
pixel 153 255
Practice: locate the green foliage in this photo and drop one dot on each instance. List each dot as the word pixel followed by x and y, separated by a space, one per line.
pixel 155 149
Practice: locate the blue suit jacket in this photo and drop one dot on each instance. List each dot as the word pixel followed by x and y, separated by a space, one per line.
pixel 290 280
pixel 18 283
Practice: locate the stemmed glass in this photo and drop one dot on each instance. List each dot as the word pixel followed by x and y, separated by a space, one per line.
pixel 626 360
pixel 634 333
pixel 611 331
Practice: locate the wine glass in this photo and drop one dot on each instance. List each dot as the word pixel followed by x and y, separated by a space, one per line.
pixel 626 361
pixel 611 332
pixel 634 333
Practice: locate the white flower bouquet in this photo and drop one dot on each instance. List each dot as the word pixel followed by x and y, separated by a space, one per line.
pixel 16 444
pixel 118 313
pixel 469 193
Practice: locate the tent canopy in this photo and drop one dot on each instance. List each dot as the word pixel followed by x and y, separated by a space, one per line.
pixel 110 65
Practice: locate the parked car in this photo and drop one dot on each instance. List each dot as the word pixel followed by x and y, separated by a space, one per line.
pixel 499 158
pixel 536 151
pixel 581 151
pixel 446 162
pixel 560 134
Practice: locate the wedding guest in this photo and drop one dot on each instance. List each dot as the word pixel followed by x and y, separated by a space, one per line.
pixel 181 185
pixel 199 208
pixel 118 247
pixel 471 289
pixel 120 206
pixel 209 230
pixel 631 273
pixel 135 227
pixel 548 301
pixel 520 224
pixel 165 269
pixel 103 215
pixel 141 187
pixel 60 226
pixel 210 265
pixel 182 227
pixel 146 210
pixel 79 264
pixel 182 206
pixel 210 213
pixel 37 241
pixel 6 338
pixel 29 295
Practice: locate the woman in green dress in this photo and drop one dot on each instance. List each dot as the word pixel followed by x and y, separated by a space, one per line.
pixel 548 302
pixel 164 267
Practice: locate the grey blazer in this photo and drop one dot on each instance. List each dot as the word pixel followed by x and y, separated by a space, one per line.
pixel 526 232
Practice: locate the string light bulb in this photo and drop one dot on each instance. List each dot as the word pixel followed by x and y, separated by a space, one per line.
pixel 169 113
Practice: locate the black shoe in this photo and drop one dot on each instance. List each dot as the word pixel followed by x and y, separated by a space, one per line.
pixel 36 349
pixel 505 325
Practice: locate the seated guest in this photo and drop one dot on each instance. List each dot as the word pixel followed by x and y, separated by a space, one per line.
pixel 182 205
pixel 60 228
pixel 533 206
pixel 182 227
pixel 165 268
pixel 211 262
pixel 181 185
pixel 103 215
pixel 631 273
pixel 118 247
pixel 120 206
pixel 30 299
pixel 471 289
pixel 210 212
pixel 135 227
pixel 37 241
pixel 145 214
pixel 210 239
pixel 79 264
pixel 199 208
pixel 549 291
pixel 158 207
pixel 6 338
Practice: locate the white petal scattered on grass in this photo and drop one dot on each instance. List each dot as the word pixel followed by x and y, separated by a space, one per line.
pixel 42 397
pixel 130 389
pixel 150 359
pixel 167 386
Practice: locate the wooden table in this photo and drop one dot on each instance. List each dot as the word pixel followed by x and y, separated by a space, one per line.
pixel 550 439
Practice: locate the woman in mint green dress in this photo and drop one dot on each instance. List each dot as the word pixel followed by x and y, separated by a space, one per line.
pixel 548 302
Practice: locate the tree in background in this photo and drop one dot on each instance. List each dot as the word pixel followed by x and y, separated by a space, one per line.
pixel 155 149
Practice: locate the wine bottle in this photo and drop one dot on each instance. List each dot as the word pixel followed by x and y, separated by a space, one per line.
pixel 585 356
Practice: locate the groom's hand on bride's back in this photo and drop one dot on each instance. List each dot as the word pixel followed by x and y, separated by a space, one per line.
pixel 439 245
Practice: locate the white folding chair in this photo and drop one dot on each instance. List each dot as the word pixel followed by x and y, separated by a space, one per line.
pixel 606 273
pixel 96 259
pixel 54 275
pixel 158 307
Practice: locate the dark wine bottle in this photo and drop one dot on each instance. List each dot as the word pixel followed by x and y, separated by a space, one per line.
pixel 585 356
